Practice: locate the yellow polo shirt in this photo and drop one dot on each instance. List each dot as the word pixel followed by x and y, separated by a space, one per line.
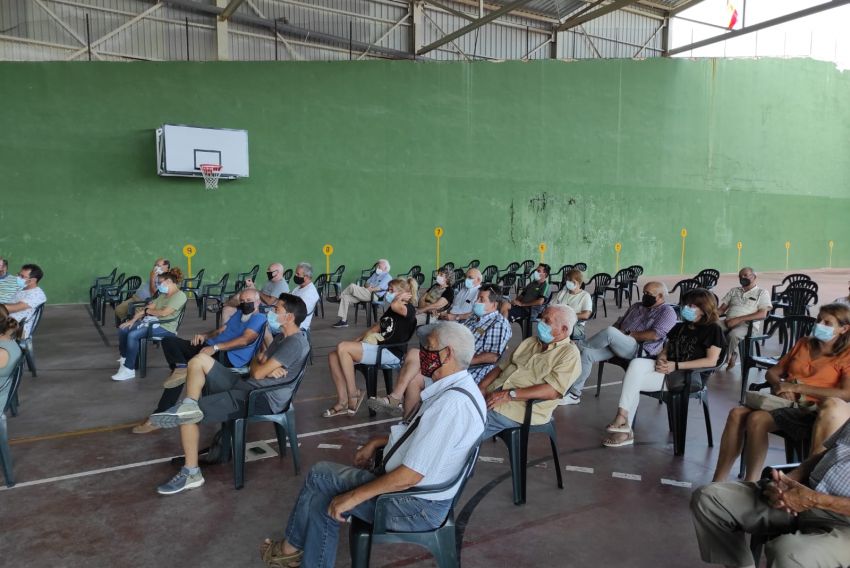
pixel 529 366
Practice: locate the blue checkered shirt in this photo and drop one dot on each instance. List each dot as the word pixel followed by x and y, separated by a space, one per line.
pixel 831 475
pixel 492 333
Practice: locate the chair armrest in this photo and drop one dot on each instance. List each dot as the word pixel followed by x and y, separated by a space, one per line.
pixel 254 395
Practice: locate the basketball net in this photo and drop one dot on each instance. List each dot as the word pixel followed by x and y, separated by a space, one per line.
pixel 211 173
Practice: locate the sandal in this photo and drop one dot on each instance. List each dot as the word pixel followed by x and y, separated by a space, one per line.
pixel 618 429
pixel 359 398
pixel 388 404
pixel 335 410
pixel 612 442
pixel 273 555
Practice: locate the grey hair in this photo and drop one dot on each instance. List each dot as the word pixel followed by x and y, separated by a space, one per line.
pixel 459 338
pixel 750 268
pixel 306 267
pixel 385 262
pixel 566 314
pixel 661 285
pixel 252 292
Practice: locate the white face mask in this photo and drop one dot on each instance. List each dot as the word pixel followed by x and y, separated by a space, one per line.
pixel 570 285
pixel 158 270
pixel 441 280
pixel 379 271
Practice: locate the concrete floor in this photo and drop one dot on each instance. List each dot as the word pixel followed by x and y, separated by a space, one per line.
pixel 86 485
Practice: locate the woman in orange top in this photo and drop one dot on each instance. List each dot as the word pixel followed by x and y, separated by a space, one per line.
pixel 816 368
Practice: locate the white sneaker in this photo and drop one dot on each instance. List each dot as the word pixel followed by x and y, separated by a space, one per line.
pixel 124 374
pixel 121 361
pixel 569 399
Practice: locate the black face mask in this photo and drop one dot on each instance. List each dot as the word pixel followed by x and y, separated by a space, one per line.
pixel 246 307
pixel 744 282
pixel 298 279
pixel 647 301
pixel 270 275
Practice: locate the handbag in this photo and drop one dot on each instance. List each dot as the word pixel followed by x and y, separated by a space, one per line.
pixel 764 401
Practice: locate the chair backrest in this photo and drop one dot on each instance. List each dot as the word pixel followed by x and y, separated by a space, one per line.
pixel 120 279
pixel 637 270
pixel 797 277
pixel 795 328
pixel 599 281
pixel 15 382
pixel 581 266
pixel 460 275
pixel 420 279
pixel 473 264
pixel 685 286
pixel 512 267
pixel 133 283
pixel 489 273
pixel 799 299
pixel 623 276
pixel 321 283
pixel 527 266
pixel 36 319
pixel 448 266
pixel 708 278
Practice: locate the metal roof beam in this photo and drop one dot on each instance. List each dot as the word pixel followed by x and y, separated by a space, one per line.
pixel 760 26
pixel 229 9
pixel 473 25
pixel 584 18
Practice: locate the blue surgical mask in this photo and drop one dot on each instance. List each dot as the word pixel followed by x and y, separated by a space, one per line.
pixel 389 297
pixel 570 285
pixel 544 332
pixel 469 283
pixel 538 275
pixel 689 313
pixel 271 317
pixel 823 332
pixel 20 281
pixel 478 309
pixel 162 287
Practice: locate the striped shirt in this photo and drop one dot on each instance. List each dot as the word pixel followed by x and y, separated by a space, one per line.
pixel 449 427
pixel 831 475
pixel 464 300
pixel 659 319
pixel 8 289
pixel 492 333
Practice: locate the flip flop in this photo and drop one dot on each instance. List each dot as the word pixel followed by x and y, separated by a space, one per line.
pixel 608 443
pixel 618 429
pixel 335 410
pixel 360 396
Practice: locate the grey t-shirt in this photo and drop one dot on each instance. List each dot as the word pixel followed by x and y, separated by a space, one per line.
pixel 275 289
pixel 290 352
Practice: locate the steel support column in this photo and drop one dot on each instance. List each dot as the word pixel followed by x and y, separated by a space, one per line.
pixel 222 33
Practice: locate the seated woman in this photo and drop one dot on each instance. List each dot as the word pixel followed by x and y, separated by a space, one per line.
pixel 165 306
pixel 396 326
pixel 579 300
pixel 438 297
pixel 694 343
pixel 10 354
pixel 816 368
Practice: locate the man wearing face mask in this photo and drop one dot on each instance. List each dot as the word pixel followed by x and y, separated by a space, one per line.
pixel 145 291
pixel 428 450
pixel 306 290
pixel 646 323
pixel 225 393
pixel 271 291
pixel 529 301
pixel 29 296
pixel 232 344
pixel 541 368
pixel 492 333
pixel 741 305
pixel 464 299
pixel 354 293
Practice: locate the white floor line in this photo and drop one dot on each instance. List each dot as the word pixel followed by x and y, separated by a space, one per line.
pixel 588 387
pixel 163 460
pixel 629 476
pixel 330 446
pixel 579 469
pixel 675 483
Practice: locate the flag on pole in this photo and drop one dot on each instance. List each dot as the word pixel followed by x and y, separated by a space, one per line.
pixel 733 15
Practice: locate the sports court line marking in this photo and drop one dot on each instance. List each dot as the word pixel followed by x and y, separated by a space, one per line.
pixel 73 434
pixel 675 483
pixel 488 459
pixel 588 387
pixel 330 446
pixel 579 469
pixel 168 459
pixel 629 476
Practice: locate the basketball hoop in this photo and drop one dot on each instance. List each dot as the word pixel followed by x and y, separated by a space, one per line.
pixel 211 173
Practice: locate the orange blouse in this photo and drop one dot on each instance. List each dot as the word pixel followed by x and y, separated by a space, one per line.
pixel 824 371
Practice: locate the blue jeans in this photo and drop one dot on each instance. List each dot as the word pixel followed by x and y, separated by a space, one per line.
pixel 312 530
pixel 129 340
pixel 496 423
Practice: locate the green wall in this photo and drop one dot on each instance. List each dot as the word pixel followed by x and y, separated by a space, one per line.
pixel 372 156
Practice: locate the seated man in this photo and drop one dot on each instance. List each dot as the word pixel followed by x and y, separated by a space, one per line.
pixel 647 322
pixel 306 290
pixel 8 284
pixel 491 332
pixel 430 450
pixel 225 394
pixel 354 293
pixel 464 299
pixel 809 508
pixel 29 296
pixel 742 304
pixel 271 291
pixel 532 296
pixel 541 368
pixel 232 344
pixel 145 291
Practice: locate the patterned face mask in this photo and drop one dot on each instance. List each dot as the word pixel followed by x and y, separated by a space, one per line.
pixel 429 361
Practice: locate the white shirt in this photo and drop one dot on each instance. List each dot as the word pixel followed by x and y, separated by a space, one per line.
pixel 580 302
pixel 743 303
pixel 310 296
pixel 464 300
pixel 449 427
pixel 33 297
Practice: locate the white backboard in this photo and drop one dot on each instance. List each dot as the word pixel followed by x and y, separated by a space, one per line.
pixel 180 150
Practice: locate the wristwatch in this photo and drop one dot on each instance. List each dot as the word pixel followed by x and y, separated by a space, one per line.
pixel 215 347
pixel 512 394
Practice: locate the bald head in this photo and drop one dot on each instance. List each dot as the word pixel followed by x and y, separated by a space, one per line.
pixel 561 318
pixel 747 277
pixel 250 295
pixel 656 290
pixel 475 275
pixel 275 272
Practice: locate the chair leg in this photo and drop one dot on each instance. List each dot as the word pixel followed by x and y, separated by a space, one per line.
pixel 742 468
pixel 30 359
pixel 5 454
pixel 604 306
pixel 359 545
pixel 388 380
pixel 293 440
pixel 14 402
pixel 554 444
pixel 240 427
pixel 680 422
pixel 599 367
pixel 143 358
pixel 707 420
pixel 371 375
pixel 512 440
pixel 444 547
